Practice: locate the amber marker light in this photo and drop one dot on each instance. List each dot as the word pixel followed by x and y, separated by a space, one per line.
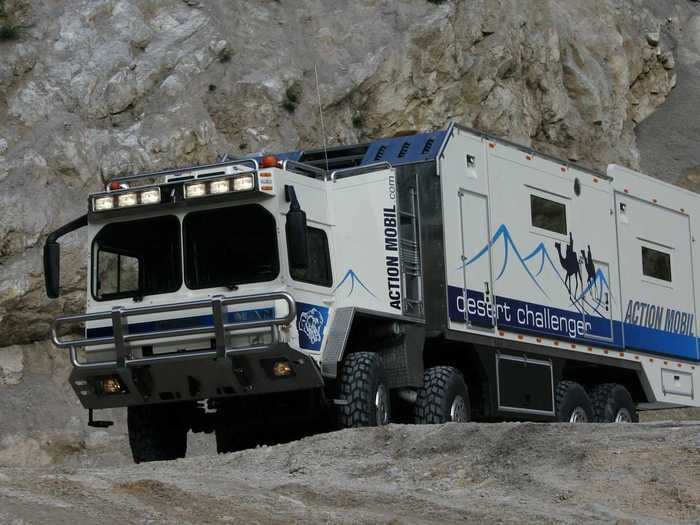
pixel 269 161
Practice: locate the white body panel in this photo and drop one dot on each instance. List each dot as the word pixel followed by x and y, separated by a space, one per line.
pixel 511 283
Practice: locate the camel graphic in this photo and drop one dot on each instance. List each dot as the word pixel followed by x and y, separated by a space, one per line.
pixel 587 260
pixel 571 265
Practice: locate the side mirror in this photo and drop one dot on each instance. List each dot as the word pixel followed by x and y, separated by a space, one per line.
pixel 52 268
pixel 296 232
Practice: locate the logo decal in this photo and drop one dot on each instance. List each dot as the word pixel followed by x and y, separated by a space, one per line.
pixel 353 279
pixel 311 323
pixel 591 301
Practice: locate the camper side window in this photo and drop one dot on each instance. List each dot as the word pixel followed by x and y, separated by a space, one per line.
pixel 548 215
pixel 318 270
pixel 656 264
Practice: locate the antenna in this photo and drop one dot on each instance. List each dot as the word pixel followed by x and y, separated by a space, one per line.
pixel 320 110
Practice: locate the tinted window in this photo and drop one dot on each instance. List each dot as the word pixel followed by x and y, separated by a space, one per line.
pixel 116 273
pixel 548 215
pixel 137 258
pixel 230 246
pixel 319 269
pixel 656 264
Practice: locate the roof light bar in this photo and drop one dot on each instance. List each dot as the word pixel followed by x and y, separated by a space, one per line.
pixel 203 188
pixel 125 199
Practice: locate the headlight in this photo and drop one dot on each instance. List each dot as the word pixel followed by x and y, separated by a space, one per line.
pixel 220 186
pixel 103 203
pixel 198 189
pixel 150 196
pixel 110 385
pixel 127 199
pixel 243 183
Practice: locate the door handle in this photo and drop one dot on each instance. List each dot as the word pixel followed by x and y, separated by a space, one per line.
pixel 607 301
pixel 486 287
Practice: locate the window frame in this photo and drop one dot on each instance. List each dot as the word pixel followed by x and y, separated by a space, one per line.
pixel 94 253
pixel 553 199
pixel 329 283
pixel 185 243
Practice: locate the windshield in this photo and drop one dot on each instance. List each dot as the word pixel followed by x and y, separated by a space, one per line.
pixel 137 258
pixel 223 247
pixel 230 246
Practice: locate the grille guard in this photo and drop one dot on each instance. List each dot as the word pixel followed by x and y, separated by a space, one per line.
pixel 121 337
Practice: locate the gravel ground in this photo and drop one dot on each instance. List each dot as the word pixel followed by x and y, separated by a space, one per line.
pixel 479 473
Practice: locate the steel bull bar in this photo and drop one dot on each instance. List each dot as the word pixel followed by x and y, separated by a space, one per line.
pixel 121 338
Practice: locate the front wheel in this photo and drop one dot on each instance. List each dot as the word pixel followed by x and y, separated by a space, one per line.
pixel 156 433
pixel 443 397
pixel 573 404
pixel 362 387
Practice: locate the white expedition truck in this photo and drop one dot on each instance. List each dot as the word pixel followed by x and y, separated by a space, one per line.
pixel 435 277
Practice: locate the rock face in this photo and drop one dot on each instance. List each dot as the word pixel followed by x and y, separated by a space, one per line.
pixel 92 88
pixel 668 139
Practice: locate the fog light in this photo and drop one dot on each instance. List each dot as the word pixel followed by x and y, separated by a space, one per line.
pixel 150 197
pixel 198 189
pixel 244 183
pixel 111 385
pixel 282 369
pixel 103 203
pixel 127 199
pixel 219 186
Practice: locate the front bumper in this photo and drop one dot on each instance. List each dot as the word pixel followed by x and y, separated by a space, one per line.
pixel 244 373
pixel 218 372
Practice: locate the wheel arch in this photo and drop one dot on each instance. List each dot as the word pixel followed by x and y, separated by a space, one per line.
pixel 399 340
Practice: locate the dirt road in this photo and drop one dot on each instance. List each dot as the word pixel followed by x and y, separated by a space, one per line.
pixel 479 473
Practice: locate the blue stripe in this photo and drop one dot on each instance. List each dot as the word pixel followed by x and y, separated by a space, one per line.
pixel 198 321
pixel 660 342
pixel 635 337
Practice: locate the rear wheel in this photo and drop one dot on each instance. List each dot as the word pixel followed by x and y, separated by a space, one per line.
pixel 156 433
pixel 573 404
pixel 443 397
pixel 362 387
pixel 612 403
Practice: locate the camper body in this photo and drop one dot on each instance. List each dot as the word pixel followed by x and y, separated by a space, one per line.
pixel 433 277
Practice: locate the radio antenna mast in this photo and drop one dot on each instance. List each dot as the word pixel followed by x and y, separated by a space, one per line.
pixel 320 110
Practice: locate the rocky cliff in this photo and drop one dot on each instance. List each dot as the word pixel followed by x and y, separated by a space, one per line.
pixel 91 88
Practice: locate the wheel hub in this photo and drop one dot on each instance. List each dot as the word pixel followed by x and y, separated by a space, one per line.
pixel 458 410
pixel 578 415
pixel 381 404
pixel 623 416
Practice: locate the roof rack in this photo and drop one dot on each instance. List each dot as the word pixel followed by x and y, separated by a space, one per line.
pixel 181 171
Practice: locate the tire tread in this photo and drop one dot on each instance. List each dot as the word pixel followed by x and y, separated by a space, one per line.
pixel 432 396
pixel 359 372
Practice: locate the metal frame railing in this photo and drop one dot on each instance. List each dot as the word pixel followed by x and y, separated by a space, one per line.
pixel 177 171
pixel 359 170
pixel 121 337
pixel 305 169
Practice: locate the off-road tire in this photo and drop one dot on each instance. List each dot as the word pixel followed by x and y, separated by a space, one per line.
pixel 156 433
pixel 442 387
pixel 609 399
pixel 361 378
pixel 570 396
